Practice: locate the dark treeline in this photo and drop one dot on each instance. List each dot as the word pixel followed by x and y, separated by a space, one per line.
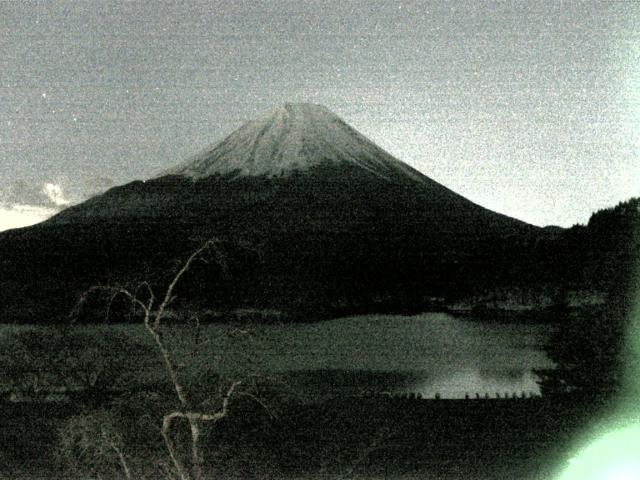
pixel 590 347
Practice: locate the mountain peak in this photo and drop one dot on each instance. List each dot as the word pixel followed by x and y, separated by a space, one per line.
pixel 305 109
pixel 292 137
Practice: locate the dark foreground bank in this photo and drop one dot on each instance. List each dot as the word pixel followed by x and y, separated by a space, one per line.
pixel 375 437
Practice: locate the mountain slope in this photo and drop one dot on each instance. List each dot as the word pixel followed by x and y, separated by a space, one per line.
pixel 295 140
pixel 335 224
pixel 293 137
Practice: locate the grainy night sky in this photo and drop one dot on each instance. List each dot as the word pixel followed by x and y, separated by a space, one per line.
pixel 528 108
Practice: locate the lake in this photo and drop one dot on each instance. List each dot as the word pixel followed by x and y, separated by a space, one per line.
pixel 426 354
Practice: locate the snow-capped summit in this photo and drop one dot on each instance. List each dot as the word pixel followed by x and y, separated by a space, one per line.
pixel 334 224
pixel 295 136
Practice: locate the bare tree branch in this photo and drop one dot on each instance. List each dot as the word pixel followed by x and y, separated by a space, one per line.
pixel 122 460
pixel 171 447
pixel 259 402
pixel 168 297
pixel 152 321
pixel 168 363
pixel 114 291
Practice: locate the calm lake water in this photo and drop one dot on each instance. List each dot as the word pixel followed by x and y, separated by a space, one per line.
pixel 429 354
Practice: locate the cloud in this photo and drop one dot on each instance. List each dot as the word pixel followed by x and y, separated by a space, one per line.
pixel 17 216
pixel 96 186
pixel 48 194
pixel 55 194
pixel 21 192
pixel 23 203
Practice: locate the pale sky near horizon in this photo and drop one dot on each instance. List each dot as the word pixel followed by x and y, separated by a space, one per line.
pixel 528 108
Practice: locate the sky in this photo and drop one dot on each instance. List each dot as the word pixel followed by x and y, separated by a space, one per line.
pixel 528 108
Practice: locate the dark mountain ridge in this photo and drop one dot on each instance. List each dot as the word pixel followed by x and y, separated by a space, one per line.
pixel 317 220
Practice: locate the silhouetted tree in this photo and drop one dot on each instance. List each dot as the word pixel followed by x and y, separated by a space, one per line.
pixel 588 351
pixel 192 409
pixel 589 348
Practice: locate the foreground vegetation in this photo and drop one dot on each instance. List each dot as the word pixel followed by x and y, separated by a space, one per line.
pixel 339 438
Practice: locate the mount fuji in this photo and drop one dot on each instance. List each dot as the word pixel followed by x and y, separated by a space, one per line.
pixel 293 137
pixel 292 143
pixel 335 223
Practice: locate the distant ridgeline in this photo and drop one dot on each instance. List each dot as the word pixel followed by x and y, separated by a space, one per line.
pixel 316 221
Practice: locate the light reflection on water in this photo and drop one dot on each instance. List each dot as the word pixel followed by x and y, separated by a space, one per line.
pixel 429 354
pixel 426 354
pixel 471 382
